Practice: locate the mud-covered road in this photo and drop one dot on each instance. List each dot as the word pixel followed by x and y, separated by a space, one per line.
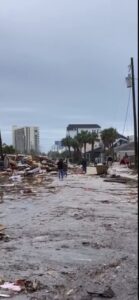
pixel 76 237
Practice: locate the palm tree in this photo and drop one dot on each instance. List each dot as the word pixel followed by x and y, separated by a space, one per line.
pixel 83 139
pixel 108 137
pixel 67 142
pixel 76 147
pixel 92 138
pixel 75 144
pixel 78 139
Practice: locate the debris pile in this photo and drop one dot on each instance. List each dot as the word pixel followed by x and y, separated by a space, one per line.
pixel 20 285
pixel 22 172
pixel 27 165
pixel 20 167
pixel 3 236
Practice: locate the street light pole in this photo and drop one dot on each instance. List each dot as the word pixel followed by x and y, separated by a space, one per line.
pixel 134 113
pixel 1 151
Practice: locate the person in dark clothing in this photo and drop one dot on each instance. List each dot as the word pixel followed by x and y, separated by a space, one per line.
pixel 84 165
pixel 109 161
pixel 60 166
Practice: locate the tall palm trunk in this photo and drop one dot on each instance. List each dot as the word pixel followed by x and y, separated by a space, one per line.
pixel 69 151
pixel 112 151
pixel 92 149
pixel 85 149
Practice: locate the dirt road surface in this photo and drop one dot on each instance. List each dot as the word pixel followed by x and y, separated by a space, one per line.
pixel 76 237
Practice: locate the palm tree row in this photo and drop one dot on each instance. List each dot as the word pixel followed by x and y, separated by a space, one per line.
pixel 108 136
pixel 80 141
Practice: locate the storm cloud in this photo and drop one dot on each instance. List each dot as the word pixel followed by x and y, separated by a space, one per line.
pixel 65 61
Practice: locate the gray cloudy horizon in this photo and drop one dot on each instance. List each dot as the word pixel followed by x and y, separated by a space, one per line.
pixel 65 61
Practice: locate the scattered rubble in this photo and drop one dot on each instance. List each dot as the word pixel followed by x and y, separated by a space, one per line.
pixel 20 285
pixel 2 227
pixel 10 286
pixel 1 196
pixel 3 236
pixel 22 173
pixel 28 285
pixel 27 165
pixel 77 222
pixel 107 293
pixel 122 171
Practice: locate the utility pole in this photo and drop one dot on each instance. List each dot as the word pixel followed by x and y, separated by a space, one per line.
pixel 130 80
pixel 1 151
pixel 134 113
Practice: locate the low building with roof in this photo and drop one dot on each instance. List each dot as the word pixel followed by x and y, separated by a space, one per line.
pixel 74 129
pixel 128 148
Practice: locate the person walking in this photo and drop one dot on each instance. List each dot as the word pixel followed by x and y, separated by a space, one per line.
pixel 84 165
pixel 60 166
pixel 109 161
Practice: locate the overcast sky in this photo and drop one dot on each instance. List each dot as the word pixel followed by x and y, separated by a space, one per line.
pixel 65 61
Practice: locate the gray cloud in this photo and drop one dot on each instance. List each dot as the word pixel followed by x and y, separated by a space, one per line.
pixel 65 61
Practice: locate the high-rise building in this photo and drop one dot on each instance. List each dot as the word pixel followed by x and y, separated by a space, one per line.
pixel 26 139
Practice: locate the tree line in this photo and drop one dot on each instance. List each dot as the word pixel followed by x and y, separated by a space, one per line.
pixel 8 149
pixel 75 145
pixel 108 137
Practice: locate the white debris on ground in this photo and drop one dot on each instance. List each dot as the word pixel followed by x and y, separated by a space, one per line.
pixel 91 170
pixel 122 170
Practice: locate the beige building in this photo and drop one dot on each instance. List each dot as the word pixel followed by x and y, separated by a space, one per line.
pixel 26 139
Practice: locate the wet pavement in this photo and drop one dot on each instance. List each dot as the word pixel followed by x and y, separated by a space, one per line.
pixel 73 236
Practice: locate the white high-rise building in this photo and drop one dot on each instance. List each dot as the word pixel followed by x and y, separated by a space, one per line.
pixel 26 139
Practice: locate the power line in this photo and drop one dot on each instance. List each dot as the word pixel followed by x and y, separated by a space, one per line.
pixel 127 111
